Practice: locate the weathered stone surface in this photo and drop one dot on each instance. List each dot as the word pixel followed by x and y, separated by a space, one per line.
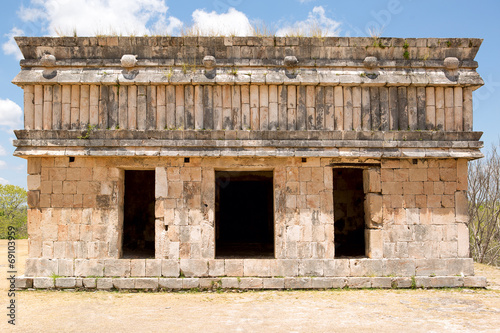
pixel 439 282
pixel 65 283
pixel 337 267
pixel 43 283
pixel 146 283
pixel 475 282
pixel 170 268
pixel 298 283
pixel 153 267
pixel 86 267
pixel 359 282
pixel 104 283
pixel 137 267
pixel 190 283
pixel 124 283
pixel 233 267
pixel 273 283
pixel 366 267
pixel 229 283
pixel 251 283
pixel 23 282
pixel 117 267
pixel 89 283
pixel 170 283
pixel 381 282
pixel 194 267
pixel 321 283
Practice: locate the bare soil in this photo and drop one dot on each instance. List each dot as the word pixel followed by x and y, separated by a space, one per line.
pixel 451 310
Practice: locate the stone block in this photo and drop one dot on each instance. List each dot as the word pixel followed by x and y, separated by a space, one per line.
pixel 321 283
pixel 123 283
pixel 65 267
pixel 475 282
pixel 23 282
pixel 439 282
pixel 461 207
pixel 256 267
pixel 428 267
pixel 138 267
pixel 402 282
pixel 371 181
pixel 104 283
pixel 359 282
pixel 216 267
pixel 65 283
pixel 336 267
pixel 78 282
pixel 117 267
pixel 374 243
pixel 366 267
pixel 89 283
pixel 373 211
pixel 311 267
pixel 339 282
pixel 463 240
pixel 153 267
pixel 209 283
pixel 251 283
pixel 298 282
pixel 170 268
pixel 170 283
pixel 459 266
pixel 273 283
pixel 146 283
pixel 399 267
pixel 43 283
pixel 381 282
pixel 190 283
pixel 230 283
pixel 233 267
pixel 41 267
pixel 194 267
pixel 89 267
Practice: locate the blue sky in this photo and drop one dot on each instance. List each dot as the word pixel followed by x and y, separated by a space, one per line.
pixel 393 18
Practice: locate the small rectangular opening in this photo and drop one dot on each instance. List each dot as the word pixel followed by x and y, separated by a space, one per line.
pixel 349 213
pixel 139 214
pixel 244 214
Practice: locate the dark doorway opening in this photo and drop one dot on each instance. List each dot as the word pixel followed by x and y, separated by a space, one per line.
pixel 349 212
pixel 139 214
pixel 244 214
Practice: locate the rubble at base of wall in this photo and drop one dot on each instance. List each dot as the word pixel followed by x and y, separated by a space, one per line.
pixel 248 283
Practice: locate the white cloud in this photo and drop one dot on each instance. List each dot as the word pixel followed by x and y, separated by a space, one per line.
pixel 4 181
pixel 10 114
pixel 2 151
pixel 316 20
pixel 2 164
pixel 305 1
pixel 91 17
pixel 10 46
pixel 231 23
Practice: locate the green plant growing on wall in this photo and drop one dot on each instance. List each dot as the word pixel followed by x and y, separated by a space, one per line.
pixel 86 136
pixel 234 71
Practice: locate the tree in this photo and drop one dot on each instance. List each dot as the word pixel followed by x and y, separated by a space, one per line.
pixel 484 208
pixel 13 210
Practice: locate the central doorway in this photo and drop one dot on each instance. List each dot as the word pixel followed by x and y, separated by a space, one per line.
pixel 244 214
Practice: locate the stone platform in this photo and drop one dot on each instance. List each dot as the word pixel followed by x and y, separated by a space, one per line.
pixel 249 283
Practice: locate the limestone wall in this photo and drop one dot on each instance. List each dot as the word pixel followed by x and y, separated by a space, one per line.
pixel 247 107
pixel 413 208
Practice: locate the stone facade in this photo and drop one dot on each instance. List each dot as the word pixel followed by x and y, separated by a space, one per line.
pixel 299 108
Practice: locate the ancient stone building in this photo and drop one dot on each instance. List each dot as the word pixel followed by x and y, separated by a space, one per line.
pixel 191 162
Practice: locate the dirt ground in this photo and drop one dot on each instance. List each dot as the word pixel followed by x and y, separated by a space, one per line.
pixel 450 310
